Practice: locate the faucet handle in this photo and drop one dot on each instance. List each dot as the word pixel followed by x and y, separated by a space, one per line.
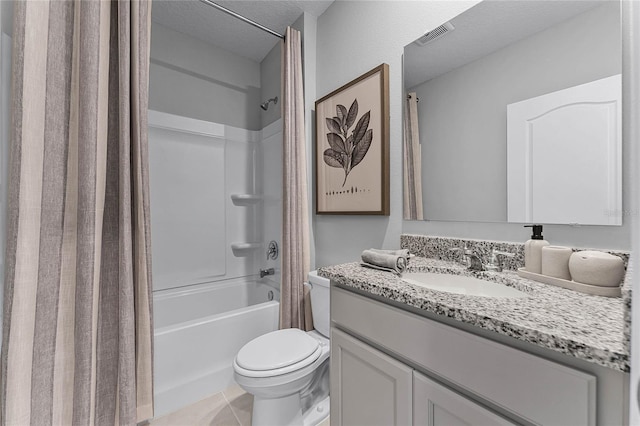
pixel 502 253
pixel 495 263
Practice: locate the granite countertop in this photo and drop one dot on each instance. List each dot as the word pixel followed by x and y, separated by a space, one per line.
pixel 587 327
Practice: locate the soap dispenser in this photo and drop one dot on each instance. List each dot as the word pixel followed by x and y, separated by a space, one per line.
pixel 533 250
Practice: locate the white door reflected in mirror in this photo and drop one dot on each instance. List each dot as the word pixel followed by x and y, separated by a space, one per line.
pixel 564 156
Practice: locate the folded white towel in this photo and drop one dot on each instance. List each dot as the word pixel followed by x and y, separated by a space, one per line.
pixel 402 252
pixel 380 268
pixel 395 262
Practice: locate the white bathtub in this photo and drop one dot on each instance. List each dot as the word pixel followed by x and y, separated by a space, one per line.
pixel 198 332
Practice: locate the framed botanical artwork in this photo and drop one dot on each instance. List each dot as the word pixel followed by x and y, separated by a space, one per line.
pixel 352 147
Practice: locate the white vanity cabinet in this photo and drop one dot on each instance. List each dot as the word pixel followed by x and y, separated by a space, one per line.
pixel 390 366
pixel 371 388
pixel 368 387
pixel 437 405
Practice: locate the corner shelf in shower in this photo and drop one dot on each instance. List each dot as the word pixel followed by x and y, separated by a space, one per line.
pixel 243 249
pixel 245 199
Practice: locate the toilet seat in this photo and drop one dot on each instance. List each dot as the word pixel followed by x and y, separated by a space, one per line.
pixel 277 353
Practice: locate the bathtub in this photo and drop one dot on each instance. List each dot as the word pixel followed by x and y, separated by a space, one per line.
pixel 199 330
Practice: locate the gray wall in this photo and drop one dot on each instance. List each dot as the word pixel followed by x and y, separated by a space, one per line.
pixel 462 114
pixel 195 79
pixel 270 85
pixel 352 38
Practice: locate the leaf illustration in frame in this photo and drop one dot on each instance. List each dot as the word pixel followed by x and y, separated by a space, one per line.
pixel 333 158
pixel 353 113
pixel 361 127
pixel 341 112
pixel 336 143
pixel 361 149
pixel 333 125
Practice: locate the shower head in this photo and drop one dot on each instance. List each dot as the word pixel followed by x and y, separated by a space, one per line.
pixel 265 105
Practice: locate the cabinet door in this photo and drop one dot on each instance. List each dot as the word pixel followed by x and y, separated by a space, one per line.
pixel 367 386
pixel 436 405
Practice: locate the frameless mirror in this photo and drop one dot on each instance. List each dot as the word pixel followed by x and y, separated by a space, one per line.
pixel 513 114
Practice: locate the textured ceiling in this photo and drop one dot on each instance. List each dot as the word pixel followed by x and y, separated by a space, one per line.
pixel 208 24
pixel 477 34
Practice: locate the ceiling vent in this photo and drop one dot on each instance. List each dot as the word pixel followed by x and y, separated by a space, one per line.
pixel 435 34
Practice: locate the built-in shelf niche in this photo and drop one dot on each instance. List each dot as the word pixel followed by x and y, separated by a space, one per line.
pixel 244 249
pixel 245 199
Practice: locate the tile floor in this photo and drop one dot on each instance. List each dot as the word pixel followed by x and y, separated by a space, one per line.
pixel 231 407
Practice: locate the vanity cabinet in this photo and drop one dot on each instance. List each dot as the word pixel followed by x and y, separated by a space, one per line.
pixel 371 388
pixel 437 405
pixel 392 366
pixel 368 387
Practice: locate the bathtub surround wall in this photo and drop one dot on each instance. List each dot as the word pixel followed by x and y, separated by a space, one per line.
pixel 197 168
pixel 269 159
pixel 77 333
pixel 269 211
pixel 193 79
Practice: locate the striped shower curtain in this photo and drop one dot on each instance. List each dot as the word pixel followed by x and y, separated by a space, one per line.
pixel 413 209
pixel 295 306
pixel 77 332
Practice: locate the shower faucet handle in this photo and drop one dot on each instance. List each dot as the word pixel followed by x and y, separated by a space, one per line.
pixel 272 250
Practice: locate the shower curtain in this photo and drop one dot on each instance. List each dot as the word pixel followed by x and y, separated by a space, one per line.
pixel 295 307
pixel 412 161
pixel 77 336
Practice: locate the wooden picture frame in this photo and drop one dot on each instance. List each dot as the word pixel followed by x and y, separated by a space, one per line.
pixel 352 147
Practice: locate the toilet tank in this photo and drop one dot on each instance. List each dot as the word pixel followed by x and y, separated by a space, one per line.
pixel 320 302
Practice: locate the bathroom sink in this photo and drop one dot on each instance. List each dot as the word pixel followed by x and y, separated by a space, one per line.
pixel 460 284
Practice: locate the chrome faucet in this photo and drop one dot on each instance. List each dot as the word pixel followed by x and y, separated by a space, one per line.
pixel 474 262
pixel 265 272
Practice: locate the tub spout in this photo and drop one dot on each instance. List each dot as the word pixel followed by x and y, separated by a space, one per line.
pixel 265 272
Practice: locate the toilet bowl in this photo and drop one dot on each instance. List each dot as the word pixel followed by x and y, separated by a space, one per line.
pixel 287 371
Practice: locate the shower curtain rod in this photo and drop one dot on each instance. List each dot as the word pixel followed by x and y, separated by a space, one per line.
pixel 242 18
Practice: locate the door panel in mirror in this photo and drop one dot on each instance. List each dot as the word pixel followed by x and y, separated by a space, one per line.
pixel 564 156
pixel 498 53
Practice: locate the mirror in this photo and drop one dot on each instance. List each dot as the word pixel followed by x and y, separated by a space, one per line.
pixel 461 78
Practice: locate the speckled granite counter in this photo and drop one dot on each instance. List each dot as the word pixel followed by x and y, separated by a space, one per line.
pixel 587 327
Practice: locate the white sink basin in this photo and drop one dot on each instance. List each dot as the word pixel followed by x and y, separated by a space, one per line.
pixel 460 284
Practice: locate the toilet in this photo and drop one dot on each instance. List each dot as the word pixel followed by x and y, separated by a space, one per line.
pixel 287 371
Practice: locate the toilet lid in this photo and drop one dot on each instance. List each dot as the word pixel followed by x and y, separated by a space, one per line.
pixel 277 349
